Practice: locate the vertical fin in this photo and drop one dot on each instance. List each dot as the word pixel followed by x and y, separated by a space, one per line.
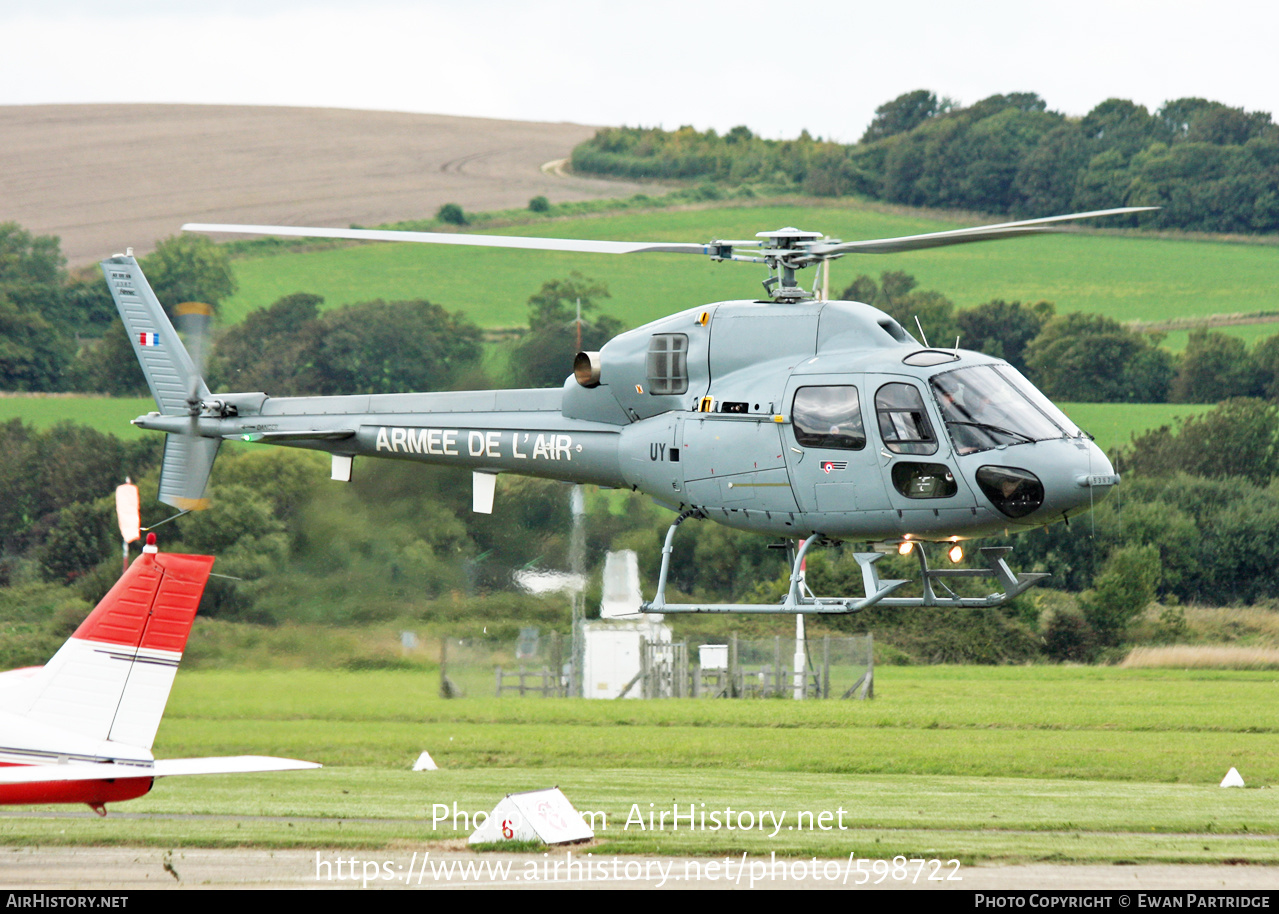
pixel 173 378
pixel 111 679
pixel 169 370
pixel 185 469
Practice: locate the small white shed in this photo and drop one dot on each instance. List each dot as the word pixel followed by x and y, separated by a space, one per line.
pixel 613 655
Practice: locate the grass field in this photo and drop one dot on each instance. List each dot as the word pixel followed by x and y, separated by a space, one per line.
pixel 979 764
pixel 106 414
pixel 1113 425
pixel 1127 277
pixel 1251 334
pixel 1229 657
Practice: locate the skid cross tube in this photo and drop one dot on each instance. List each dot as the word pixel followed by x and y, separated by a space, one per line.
pixel 996 567
pixel 800 599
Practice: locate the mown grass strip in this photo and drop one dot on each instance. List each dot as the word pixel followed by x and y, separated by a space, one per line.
pixel 912 698
pixel 971 819
pixel 1178 757
pixel 981 764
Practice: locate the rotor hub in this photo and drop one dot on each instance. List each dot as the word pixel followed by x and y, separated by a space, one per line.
pixel 785 251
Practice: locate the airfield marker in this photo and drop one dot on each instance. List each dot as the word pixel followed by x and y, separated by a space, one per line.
pixel 1232 779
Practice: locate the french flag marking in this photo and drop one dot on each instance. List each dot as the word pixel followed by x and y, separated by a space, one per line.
pixel 150 339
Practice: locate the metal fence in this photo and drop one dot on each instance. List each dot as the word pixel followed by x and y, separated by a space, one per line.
pixel 834 668
pixel 730 667
pixel 468 666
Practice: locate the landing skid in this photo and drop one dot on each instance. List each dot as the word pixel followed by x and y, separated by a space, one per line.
pixel 799 599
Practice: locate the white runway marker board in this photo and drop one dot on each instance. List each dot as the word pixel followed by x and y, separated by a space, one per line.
pixel 539 815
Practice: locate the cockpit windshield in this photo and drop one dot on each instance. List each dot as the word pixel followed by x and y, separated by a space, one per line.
pixel 990 406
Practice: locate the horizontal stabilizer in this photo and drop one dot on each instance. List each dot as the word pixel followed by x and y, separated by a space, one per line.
pixel 324 434
pixel 228 764
pixel 232 764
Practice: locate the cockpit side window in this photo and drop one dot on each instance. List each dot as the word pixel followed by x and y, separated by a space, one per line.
pixel 667 367
pixel 829 417
pixel 903 421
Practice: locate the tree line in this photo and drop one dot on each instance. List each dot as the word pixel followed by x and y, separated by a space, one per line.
pixel 60 332
pixel 1210 167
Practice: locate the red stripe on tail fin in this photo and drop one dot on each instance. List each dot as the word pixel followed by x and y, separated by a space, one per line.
pixel 174 607
pixel 152 605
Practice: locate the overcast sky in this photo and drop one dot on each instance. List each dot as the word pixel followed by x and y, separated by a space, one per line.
pixel 771 66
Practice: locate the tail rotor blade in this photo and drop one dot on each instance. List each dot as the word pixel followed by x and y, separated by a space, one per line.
pixel 195 321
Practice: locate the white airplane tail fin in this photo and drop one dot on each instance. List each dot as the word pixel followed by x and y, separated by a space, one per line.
pixel 80 729
pixel 111 679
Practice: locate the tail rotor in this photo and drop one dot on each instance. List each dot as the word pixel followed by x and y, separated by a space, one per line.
pixel 194 323
pixel 175 375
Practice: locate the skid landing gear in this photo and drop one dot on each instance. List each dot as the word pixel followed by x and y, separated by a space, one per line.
pixel 799 599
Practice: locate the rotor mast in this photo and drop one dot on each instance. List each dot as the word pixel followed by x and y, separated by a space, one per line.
pixel 785 251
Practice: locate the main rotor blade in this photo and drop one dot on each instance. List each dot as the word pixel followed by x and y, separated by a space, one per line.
pixel 807 252
pixel 962 236
pixel 488 241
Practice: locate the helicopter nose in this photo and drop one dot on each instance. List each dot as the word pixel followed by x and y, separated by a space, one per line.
pixel 1065 477
pixel 1079 478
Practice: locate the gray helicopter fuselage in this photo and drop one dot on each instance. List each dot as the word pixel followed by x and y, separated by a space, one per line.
pixel 828 417
pixel 779 418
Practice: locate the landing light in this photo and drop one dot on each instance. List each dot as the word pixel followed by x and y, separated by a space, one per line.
pixel 904 548
pixel 955 554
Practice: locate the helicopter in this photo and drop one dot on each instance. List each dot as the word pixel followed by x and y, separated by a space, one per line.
pixel 792 416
